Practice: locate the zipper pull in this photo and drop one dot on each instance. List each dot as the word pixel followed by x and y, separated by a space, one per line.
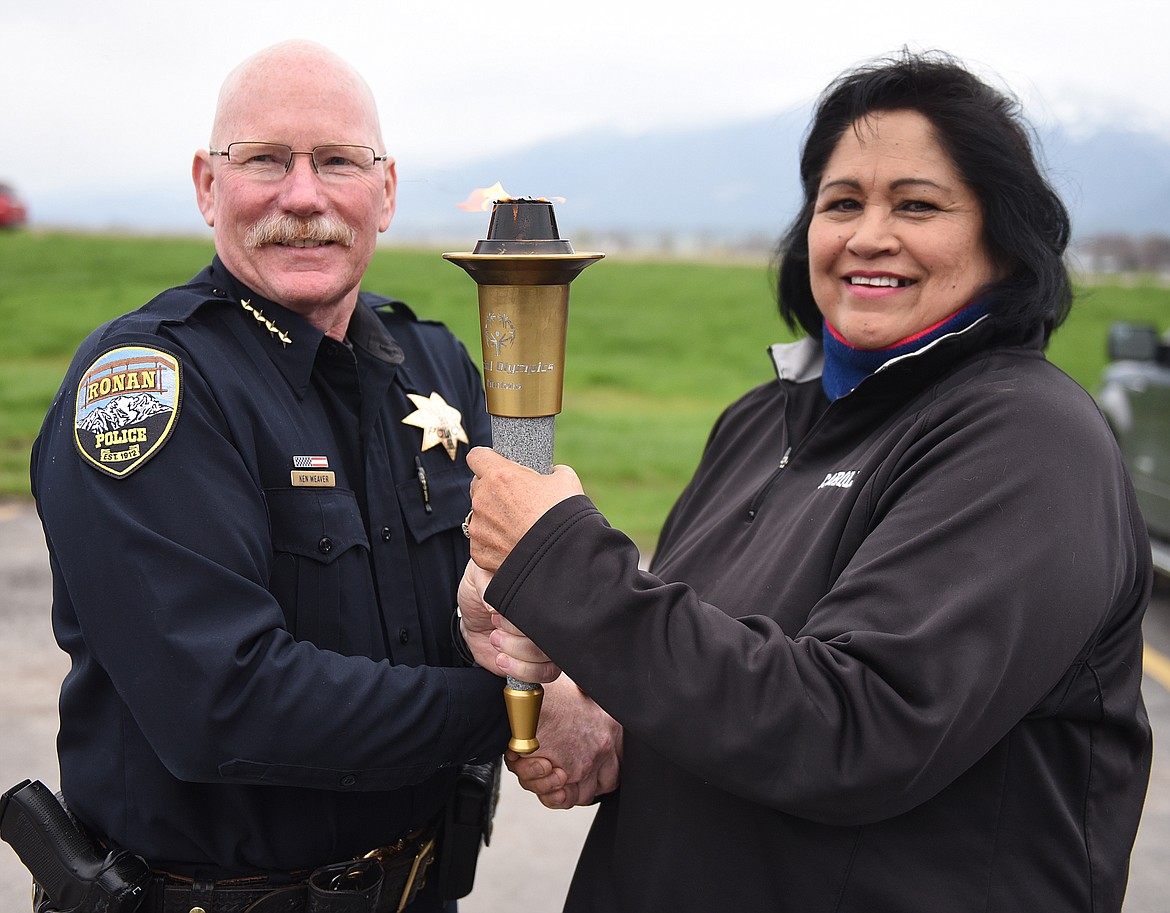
pixel 759 498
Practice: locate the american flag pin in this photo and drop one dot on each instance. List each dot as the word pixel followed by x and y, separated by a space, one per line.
pixel 310 462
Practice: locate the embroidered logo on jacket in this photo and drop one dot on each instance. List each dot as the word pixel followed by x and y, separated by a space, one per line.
pixel 839 479
pixel 127 405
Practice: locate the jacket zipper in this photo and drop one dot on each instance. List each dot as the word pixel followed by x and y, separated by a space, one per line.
pixel 763 492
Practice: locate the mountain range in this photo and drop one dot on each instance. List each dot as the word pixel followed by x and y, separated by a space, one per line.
pixel 728 184
pixel 121 411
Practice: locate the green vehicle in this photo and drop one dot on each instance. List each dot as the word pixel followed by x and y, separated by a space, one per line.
pixel 1135 397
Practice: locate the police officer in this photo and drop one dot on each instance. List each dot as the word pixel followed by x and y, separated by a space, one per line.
pixel 252 489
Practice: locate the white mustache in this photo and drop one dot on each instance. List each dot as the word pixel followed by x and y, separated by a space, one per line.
pixel 285 229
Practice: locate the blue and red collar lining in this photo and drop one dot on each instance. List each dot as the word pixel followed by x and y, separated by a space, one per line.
pixel 846 366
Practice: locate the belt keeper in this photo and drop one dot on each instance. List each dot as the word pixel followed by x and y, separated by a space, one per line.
pixel 202 891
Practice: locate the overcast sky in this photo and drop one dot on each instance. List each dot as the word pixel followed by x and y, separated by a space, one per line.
pixel 121 92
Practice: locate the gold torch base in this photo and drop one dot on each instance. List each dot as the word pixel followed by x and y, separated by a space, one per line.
pixel 523 714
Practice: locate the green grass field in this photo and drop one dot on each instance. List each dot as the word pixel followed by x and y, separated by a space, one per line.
pixel 656 349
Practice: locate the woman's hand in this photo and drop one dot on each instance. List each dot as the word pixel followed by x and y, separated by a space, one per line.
pixel 580 751
pixel 506 500
pixel 497 644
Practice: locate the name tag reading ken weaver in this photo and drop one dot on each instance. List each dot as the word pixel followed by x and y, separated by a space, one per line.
pixel 305 478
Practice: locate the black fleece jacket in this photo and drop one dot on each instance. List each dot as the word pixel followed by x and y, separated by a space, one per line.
pixel 888 657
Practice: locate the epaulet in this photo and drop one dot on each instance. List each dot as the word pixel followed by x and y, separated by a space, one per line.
pixel 184 300
pixel 175 305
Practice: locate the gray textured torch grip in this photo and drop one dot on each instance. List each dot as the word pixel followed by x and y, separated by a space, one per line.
pixel 529 442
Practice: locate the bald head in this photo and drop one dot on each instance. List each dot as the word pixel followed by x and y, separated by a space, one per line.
pixel 301 238
pixel 294 71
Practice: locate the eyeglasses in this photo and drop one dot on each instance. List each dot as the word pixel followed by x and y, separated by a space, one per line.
pixel 271 161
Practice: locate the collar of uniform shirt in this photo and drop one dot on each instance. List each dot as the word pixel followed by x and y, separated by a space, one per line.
pixel 295 361
pixel 367 332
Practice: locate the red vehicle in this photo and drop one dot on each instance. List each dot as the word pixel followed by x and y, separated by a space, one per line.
pixel 13 212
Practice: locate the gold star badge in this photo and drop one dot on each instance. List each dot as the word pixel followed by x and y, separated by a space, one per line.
pixel 440 423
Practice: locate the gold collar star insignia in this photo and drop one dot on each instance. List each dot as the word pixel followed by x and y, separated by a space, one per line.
pixel 277 332
pixel 440 423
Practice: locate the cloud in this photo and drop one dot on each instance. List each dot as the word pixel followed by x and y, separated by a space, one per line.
pixel 122 94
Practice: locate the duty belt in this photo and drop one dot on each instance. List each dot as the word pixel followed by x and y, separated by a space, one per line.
pixel 384 880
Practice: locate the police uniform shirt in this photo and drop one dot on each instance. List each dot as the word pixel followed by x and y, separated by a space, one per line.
pixel 255 563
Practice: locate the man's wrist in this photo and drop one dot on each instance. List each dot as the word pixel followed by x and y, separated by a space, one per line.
pixel 459 639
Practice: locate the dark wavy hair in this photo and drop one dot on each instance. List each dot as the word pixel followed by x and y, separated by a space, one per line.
pixel 1025 224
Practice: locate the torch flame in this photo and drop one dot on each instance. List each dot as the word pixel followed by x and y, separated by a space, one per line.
pixel 482 198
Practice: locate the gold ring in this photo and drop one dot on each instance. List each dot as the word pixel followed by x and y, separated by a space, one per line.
pixel 467 524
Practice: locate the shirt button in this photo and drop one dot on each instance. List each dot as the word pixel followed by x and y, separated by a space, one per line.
pixel 403 635
pixel 325 545
pixel 387 534
pixel 348 780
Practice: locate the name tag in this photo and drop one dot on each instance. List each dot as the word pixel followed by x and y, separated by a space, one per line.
pixel 323 479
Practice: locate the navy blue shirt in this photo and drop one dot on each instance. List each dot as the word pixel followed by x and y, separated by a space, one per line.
pixel 255 564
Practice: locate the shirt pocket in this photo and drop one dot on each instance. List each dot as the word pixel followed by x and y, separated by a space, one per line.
pixel 320 560
pixel 449 498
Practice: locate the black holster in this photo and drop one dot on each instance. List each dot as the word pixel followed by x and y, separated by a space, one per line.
pixel 466 824
pixel 71 873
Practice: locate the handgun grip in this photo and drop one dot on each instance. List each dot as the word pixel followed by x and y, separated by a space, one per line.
pixel 29 812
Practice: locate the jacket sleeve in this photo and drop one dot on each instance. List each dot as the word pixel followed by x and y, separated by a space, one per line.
pixel 998 572
pixel 162 577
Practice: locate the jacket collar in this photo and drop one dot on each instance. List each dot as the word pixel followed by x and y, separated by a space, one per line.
pixel 799 361
pixel 804 360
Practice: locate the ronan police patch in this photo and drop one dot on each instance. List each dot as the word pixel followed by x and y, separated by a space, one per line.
pixel 127 405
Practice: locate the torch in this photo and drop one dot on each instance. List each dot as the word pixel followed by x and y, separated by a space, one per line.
pixel 523 270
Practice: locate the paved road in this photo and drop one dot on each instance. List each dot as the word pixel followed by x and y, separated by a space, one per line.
pixel 530 861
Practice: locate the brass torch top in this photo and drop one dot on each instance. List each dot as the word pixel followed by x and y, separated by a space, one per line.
pixel 523 226
pixel 523 248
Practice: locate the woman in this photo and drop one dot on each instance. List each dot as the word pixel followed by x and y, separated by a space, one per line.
pixel 889 654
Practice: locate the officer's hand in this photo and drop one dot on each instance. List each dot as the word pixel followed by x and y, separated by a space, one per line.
pixel 580 750
pixel 497 644
pixel 507 499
